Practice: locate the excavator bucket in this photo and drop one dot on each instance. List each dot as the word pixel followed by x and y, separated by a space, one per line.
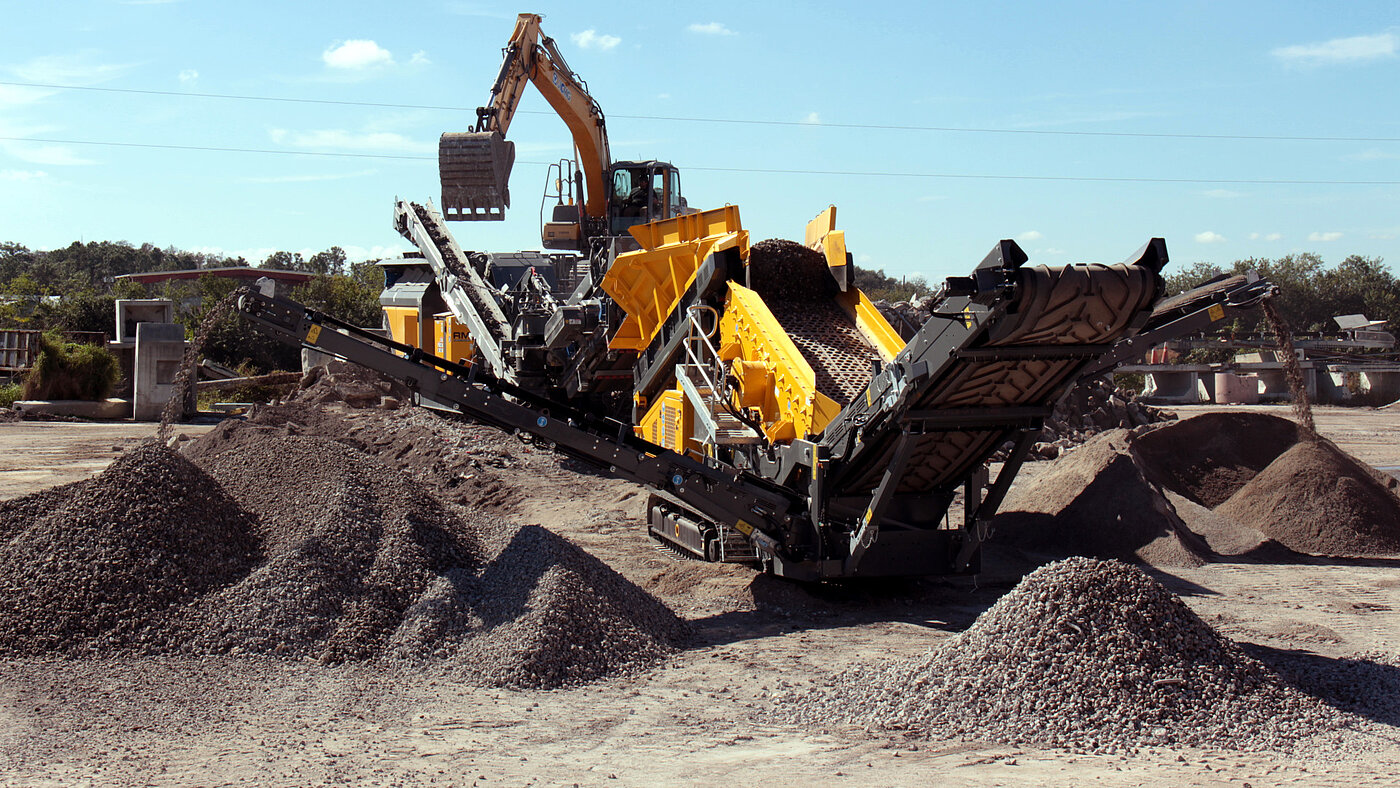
pixel 475 172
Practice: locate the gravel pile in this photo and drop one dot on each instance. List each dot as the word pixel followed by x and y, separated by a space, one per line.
pixel 106 562
pixel 1083 654
pixel 782 270
pixel 270 540
pixel 541 613
pixel 1091 407
pixel 1314 498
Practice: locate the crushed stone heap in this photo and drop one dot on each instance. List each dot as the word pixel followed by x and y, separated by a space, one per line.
pixel 1084 654
pixel 102 562
pixel 267 541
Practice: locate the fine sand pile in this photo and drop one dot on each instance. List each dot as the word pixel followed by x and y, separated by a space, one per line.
pixel 263 540
pixel 1083 654
pixel 1244 485
pixel 1317 499
pixel 1097 501
pixel 1208 457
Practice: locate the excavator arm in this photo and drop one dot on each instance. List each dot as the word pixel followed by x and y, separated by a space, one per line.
pixel 475 166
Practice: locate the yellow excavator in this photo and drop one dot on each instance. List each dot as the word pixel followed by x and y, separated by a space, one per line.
pixel 594 197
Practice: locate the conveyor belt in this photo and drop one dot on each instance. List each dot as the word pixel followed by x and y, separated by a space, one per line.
pixel 1020 355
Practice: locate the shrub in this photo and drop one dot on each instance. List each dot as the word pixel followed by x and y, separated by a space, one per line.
pixel 9 393
pixel 66 370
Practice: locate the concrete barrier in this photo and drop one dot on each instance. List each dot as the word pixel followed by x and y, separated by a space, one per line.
pixel 160 350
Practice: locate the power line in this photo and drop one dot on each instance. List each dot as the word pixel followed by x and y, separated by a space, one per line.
pixel 734 121
pixel 762 170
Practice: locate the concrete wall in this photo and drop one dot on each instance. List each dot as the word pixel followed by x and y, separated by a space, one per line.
pixel 160 350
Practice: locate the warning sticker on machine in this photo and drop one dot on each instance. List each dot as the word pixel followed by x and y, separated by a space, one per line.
pixel 314 334
pixel 1216 312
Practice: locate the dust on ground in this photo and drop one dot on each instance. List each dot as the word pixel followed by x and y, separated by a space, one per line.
pixel 703 715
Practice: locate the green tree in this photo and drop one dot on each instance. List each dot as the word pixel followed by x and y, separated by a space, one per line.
pixel 331 261
pixel 879 287
pixel 285 261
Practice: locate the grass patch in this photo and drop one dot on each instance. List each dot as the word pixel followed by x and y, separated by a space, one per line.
pixel 67 370
pixel 10 393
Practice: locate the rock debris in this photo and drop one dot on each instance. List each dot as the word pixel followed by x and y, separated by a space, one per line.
pixel 1085 654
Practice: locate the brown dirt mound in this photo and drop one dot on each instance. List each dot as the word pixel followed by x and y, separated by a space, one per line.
pixel 104 562
pixel 1096 501
pixel 1317 499
pixel 1082 654
pixel 1208 457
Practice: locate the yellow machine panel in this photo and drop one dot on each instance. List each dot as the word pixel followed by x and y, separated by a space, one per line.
pixel 668 422
pixel 454 341
pixel 649 283
pixel 403 324
pixel 773 376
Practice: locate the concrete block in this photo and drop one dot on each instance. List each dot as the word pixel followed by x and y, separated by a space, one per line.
pixel 81 408
pixel 1232 389
pixel 131 312
pixel 160 350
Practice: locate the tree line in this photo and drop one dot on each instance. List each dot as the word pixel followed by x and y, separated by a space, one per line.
pixel 1310 293
pixel 75 288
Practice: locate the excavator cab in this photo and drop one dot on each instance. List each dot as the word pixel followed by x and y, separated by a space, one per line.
pixel 641 192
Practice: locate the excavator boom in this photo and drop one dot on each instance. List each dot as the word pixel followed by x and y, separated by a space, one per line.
pixel 475 166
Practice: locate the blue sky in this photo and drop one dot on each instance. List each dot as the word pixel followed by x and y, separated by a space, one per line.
pixel 1021 120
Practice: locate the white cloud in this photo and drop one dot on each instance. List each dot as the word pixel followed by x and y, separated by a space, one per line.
pixel 45 154
pixel 14 96
pixel 592 39
pixel 1273 236
pixel 1372 154
pixel 1209 237
pixel 663 96
pixel 1053 250
pixel 356 53
pixel 864 259
pixel 189 76
pixel 349 140
pixel 1222 194
pixel 1324 237
pixel 1341 50
pixel 359 254
pixel 1262 236
pixel 1030 235
pixel 420 58
pixel 711 29
pixel 22 175
pixel 74 69
pixel 812 119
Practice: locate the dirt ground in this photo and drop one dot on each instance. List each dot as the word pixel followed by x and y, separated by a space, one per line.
pixel 697 719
